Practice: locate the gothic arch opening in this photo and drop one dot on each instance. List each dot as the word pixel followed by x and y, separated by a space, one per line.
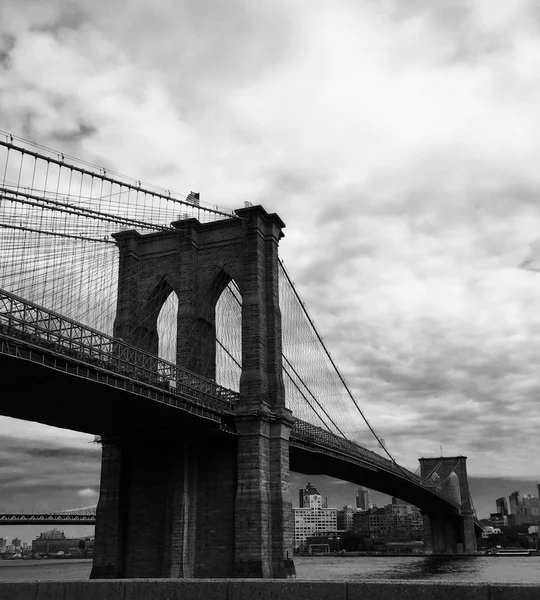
pixel 228 314
pixel 167 326
pixel 455 487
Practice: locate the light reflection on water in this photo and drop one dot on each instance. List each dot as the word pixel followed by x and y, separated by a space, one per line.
pixel 511 569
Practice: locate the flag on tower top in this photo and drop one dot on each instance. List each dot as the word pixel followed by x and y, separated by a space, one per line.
pixel 193 198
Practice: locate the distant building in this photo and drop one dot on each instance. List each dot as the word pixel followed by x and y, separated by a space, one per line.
pixel 405 522
pixel 16 542
pixel 398 501
pixel 370 523
pixel 345 518
pixel 309 497
pixel 313 517
pixel 498 519
pixel 488 531
pixel 397 522
pixel 53 542
pixel 524 508
pixel 502 506
pixel 362 499
pixel 3 544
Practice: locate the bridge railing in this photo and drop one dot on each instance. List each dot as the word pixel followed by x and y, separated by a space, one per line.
pixel 311 433
pixel 308 433
pixel 24 319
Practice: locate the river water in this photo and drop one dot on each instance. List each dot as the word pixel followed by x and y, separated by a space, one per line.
pixel 511 569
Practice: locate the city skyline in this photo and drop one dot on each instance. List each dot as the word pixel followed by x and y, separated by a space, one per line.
pixel 398 142
pixel 340 493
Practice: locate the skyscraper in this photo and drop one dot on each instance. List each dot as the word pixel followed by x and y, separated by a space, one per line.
pixel 362 499
pixel 515 499
pixel 524 508
pixel 502 506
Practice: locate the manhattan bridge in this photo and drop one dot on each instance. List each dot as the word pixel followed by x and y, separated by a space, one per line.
pixel 173 331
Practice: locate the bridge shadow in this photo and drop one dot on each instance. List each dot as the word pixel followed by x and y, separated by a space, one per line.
pixel 436 567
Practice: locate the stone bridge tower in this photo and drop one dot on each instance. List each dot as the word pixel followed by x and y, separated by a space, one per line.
pixel 449 533
pixel 184 504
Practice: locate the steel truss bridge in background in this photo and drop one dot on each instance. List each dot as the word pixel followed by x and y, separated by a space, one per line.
pixel 47 519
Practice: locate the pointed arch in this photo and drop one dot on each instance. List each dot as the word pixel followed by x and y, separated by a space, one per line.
pixel 455 486
pixel 228 316
pixel 167 328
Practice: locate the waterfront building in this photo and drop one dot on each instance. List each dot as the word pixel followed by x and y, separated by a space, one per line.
pixel 16 542
pixel 3 544
pixel 313 518
pixel 370 523
pixel 345 518
pixel 405 522
pixel 398 522
pixel 309 522
pixel 489 530
pixel 53 542
pixel 362 499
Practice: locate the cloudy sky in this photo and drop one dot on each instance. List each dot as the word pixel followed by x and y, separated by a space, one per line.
pixel 398 140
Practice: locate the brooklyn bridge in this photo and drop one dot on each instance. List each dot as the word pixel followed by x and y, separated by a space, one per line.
pixel 173 331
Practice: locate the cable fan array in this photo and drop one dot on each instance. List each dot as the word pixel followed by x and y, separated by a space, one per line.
pixel 58 219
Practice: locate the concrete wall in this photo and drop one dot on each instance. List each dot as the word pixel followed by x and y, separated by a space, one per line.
pixel 223 589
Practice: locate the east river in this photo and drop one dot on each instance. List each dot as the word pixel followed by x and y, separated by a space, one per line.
pixel 510 569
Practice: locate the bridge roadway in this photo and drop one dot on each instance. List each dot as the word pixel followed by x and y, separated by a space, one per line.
pixel 108 387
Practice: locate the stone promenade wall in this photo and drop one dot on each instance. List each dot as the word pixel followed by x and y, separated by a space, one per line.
pixel 221 589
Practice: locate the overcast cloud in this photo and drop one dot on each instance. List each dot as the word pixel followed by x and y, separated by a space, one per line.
pixel 399 141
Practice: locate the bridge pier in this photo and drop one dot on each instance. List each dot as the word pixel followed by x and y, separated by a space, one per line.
pixel 166 509
pixel 449 533
pixel 212 507
pixel 263 535
pixel 442 534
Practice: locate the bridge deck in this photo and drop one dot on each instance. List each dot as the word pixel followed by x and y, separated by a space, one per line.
pixel 64 344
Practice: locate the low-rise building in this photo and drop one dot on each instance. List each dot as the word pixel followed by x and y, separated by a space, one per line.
pixel 309 522
pixel 498 519
pixel 397 522
pixel 55 541
pixel 489 530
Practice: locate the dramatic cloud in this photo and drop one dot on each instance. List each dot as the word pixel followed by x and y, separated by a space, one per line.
pixel 399 142
pixel 45 469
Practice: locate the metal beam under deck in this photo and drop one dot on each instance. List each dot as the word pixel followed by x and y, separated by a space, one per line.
pixel 40 385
